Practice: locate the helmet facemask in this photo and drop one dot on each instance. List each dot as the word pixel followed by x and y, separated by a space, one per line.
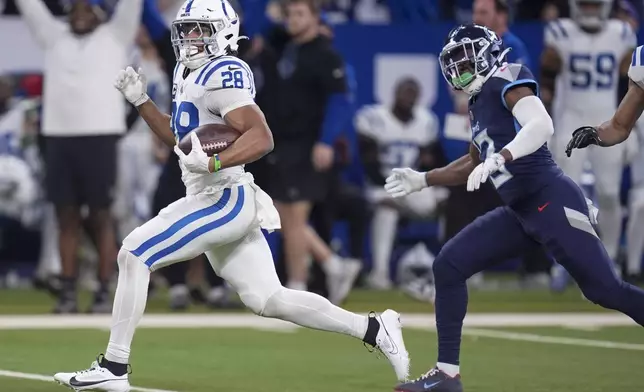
pixel 195 41
pixel 590 14
pixel 465 64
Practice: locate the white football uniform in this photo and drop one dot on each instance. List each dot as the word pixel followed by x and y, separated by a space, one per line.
pixel 18 182
pixel 586 94
pixel 399 146
pixel 220 208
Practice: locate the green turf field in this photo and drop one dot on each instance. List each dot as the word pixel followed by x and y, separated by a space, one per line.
pixel 251 361
pixel 583 357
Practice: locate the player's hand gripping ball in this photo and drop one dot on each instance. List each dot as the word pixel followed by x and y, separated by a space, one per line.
pixel 582 138
pixel 196 148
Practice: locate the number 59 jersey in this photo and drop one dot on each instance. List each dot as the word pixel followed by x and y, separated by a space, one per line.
pixel 204 96
pixel 587 84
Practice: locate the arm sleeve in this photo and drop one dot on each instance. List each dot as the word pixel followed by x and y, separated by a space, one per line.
pixel 153 20
pixel 42 23
pixel 336 117
pixel 536 127
pixel 126 20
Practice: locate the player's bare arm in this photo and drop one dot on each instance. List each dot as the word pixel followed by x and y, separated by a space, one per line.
pixel 256 138
pixel 133 85
pixel 158 122
pixel 456 172
pixel 618 128
pixel 550 68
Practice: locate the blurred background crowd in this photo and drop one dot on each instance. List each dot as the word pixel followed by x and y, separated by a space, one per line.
pixel 350 88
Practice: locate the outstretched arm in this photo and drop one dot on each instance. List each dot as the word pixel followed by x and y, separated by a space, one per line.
pixel 126 20
pixel 42 23
pixel 158 122
pixel 133 86
pixel 402 182
pixel 618 128
pixel 456 172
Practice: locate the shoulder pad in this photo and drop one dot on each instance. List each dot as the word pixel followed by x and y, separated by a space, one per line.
pixel 559 31
pixel 226 72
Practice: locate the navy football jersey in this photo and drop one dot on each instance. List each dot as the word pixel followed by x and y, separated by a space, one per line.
pixel 494 126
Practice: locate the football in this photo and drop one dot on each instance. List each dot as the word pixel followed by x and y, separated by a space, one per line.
pixel 214 138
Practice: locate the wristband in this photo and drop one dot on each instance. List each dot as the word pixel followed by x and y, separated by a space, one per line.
pixel 216 163
pixel 142 99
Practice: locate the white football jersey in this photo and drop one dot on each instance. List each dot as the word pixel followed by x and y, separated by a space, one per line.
pixel 636 70
pixel 204 96
pixel 399 143
pixel 588 82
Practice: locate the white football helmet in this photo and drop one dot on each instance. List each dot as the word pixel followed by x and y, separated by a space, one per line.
pixel 590 19
pixel 204 30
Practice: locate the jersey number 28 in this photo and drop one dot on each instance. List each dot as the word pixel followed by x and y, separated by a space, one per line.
pixel 485 145
pixel 587 70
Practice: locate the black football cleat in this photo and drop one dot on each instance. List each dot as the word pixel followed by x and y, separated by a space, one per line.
pixel 432 381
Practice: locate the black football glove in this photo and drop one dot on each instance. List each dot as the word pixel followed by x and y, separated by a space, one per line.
pixel 582 138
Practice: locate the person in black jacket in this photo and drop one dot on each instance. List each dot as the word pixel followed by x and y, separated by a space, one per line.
pixel 311 110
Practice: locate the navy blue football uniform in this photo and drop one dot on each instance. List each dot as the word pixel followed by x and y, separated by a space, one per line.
pixel 493 127
pixel 543 208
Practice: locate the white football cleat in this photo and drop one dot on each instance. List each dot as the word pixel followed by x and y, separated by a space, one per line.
pixel 390 342
pixel 94 378
pixel 340 284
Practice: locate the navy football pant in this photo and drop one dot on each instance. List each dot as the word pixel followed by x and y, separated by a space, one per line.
pixel 557 217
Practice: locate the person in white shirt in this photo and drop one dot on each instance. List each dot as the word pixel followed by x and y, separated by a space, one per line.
pixel 391 136
pixel 83 117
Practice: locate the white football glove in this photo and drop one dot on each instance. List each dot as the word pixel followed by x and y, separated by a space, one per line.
pixel 481 173
pixel 593 212
pixel 402 182
pixel 133 85
pixel 197 161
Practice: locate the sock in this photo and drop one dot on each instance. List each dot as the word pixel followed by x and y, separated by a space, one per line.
pixel 299 286
pixel 373 327
pixel 117 369
pixel 313 311
pixel 129 305
pixel 610 223
pixel 449 369
pixel 383 232
pixel 450 307
pixel 332 265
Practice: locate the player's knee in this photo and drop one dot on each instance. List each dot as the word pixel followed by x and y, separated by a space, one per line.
pixel 444 271
pixel 257 301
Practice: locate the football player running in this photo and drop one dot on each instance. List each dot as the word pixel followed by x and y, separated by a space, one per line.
pixel 223 210
pixel 510 128
pixel 584 66
pixel 615 131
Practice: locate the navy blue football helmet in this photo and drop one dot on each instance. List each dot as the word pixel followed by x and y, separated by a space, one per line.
pixel 471 53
